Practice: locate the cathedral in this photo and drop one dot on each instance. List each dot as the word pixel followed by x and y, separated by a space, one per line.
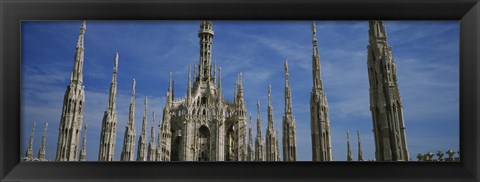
pixel 204 126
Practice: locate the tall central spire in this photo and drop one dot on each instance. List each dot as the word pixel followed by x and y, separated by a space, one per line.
pixel 205 34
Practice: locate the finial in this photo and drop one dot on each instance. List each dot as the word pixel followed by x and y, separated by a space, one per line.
pixel 84 24
pixel 314 28
pixel 269 91
pixel 145 103
pixel 133 86
pixel 258 108
pixel 115 62
pixel 286 66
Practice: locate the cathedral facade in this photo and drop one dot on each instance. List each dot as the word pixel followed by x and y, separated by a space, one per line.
pixel 204 126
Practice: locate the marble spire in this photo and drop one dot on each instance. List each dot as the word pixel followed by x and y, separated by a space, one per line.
pixel 108 135
pixel 385 101
pixel 319 117
pixel 288 125
pixel 360 153
pixel 29 152
pixel 71 119
pixel 142 141
pixel 83 153
pixel 259 147
pixel 349 152
pixel 41 151
pixel 271 140
pixel 151 146
pixel 128 151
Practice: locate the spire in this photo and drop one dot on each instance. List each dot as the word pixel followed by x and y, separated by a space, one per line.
pixel 240 88
pixel 259 130
pixel 235 92
pixel 349 155
pixel 68 142
pixel 360 154
pixel 316 67
pixel 189 85
pixel 170 90
pixel 205 34
pixel 270 109
pixel 129 136
pixel 215 70
pixel 29 153
pixel 77 73
pixel 152 130
pixel 151 146
pixel 219 83
pixel 250 140
pixel 142 151
pixel 41 152
pixel 194 72
pixel 83 153
pixel 131 114
pixel 109 121
pixel 144 123
pixel 288 98
pixel 113 85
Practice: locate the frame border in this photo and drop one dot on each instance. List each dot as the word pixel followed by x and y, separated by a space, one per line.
pixel 14 11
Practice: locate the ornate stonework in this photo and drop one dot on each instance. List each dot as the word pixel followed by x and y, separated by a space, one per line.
pixel 41 151
pixel 319 119
pixel 108 134
pixel 271 140
pixel 385 102
pixel 289 127
pixel 73 107
pixel 128 151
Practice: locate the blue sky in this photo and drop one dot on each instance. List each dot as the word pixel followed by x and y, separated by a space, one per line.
pixel 426 55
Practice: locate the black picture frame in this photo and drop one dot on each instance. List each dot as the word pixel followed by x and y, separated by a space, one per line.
pixel 13 12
